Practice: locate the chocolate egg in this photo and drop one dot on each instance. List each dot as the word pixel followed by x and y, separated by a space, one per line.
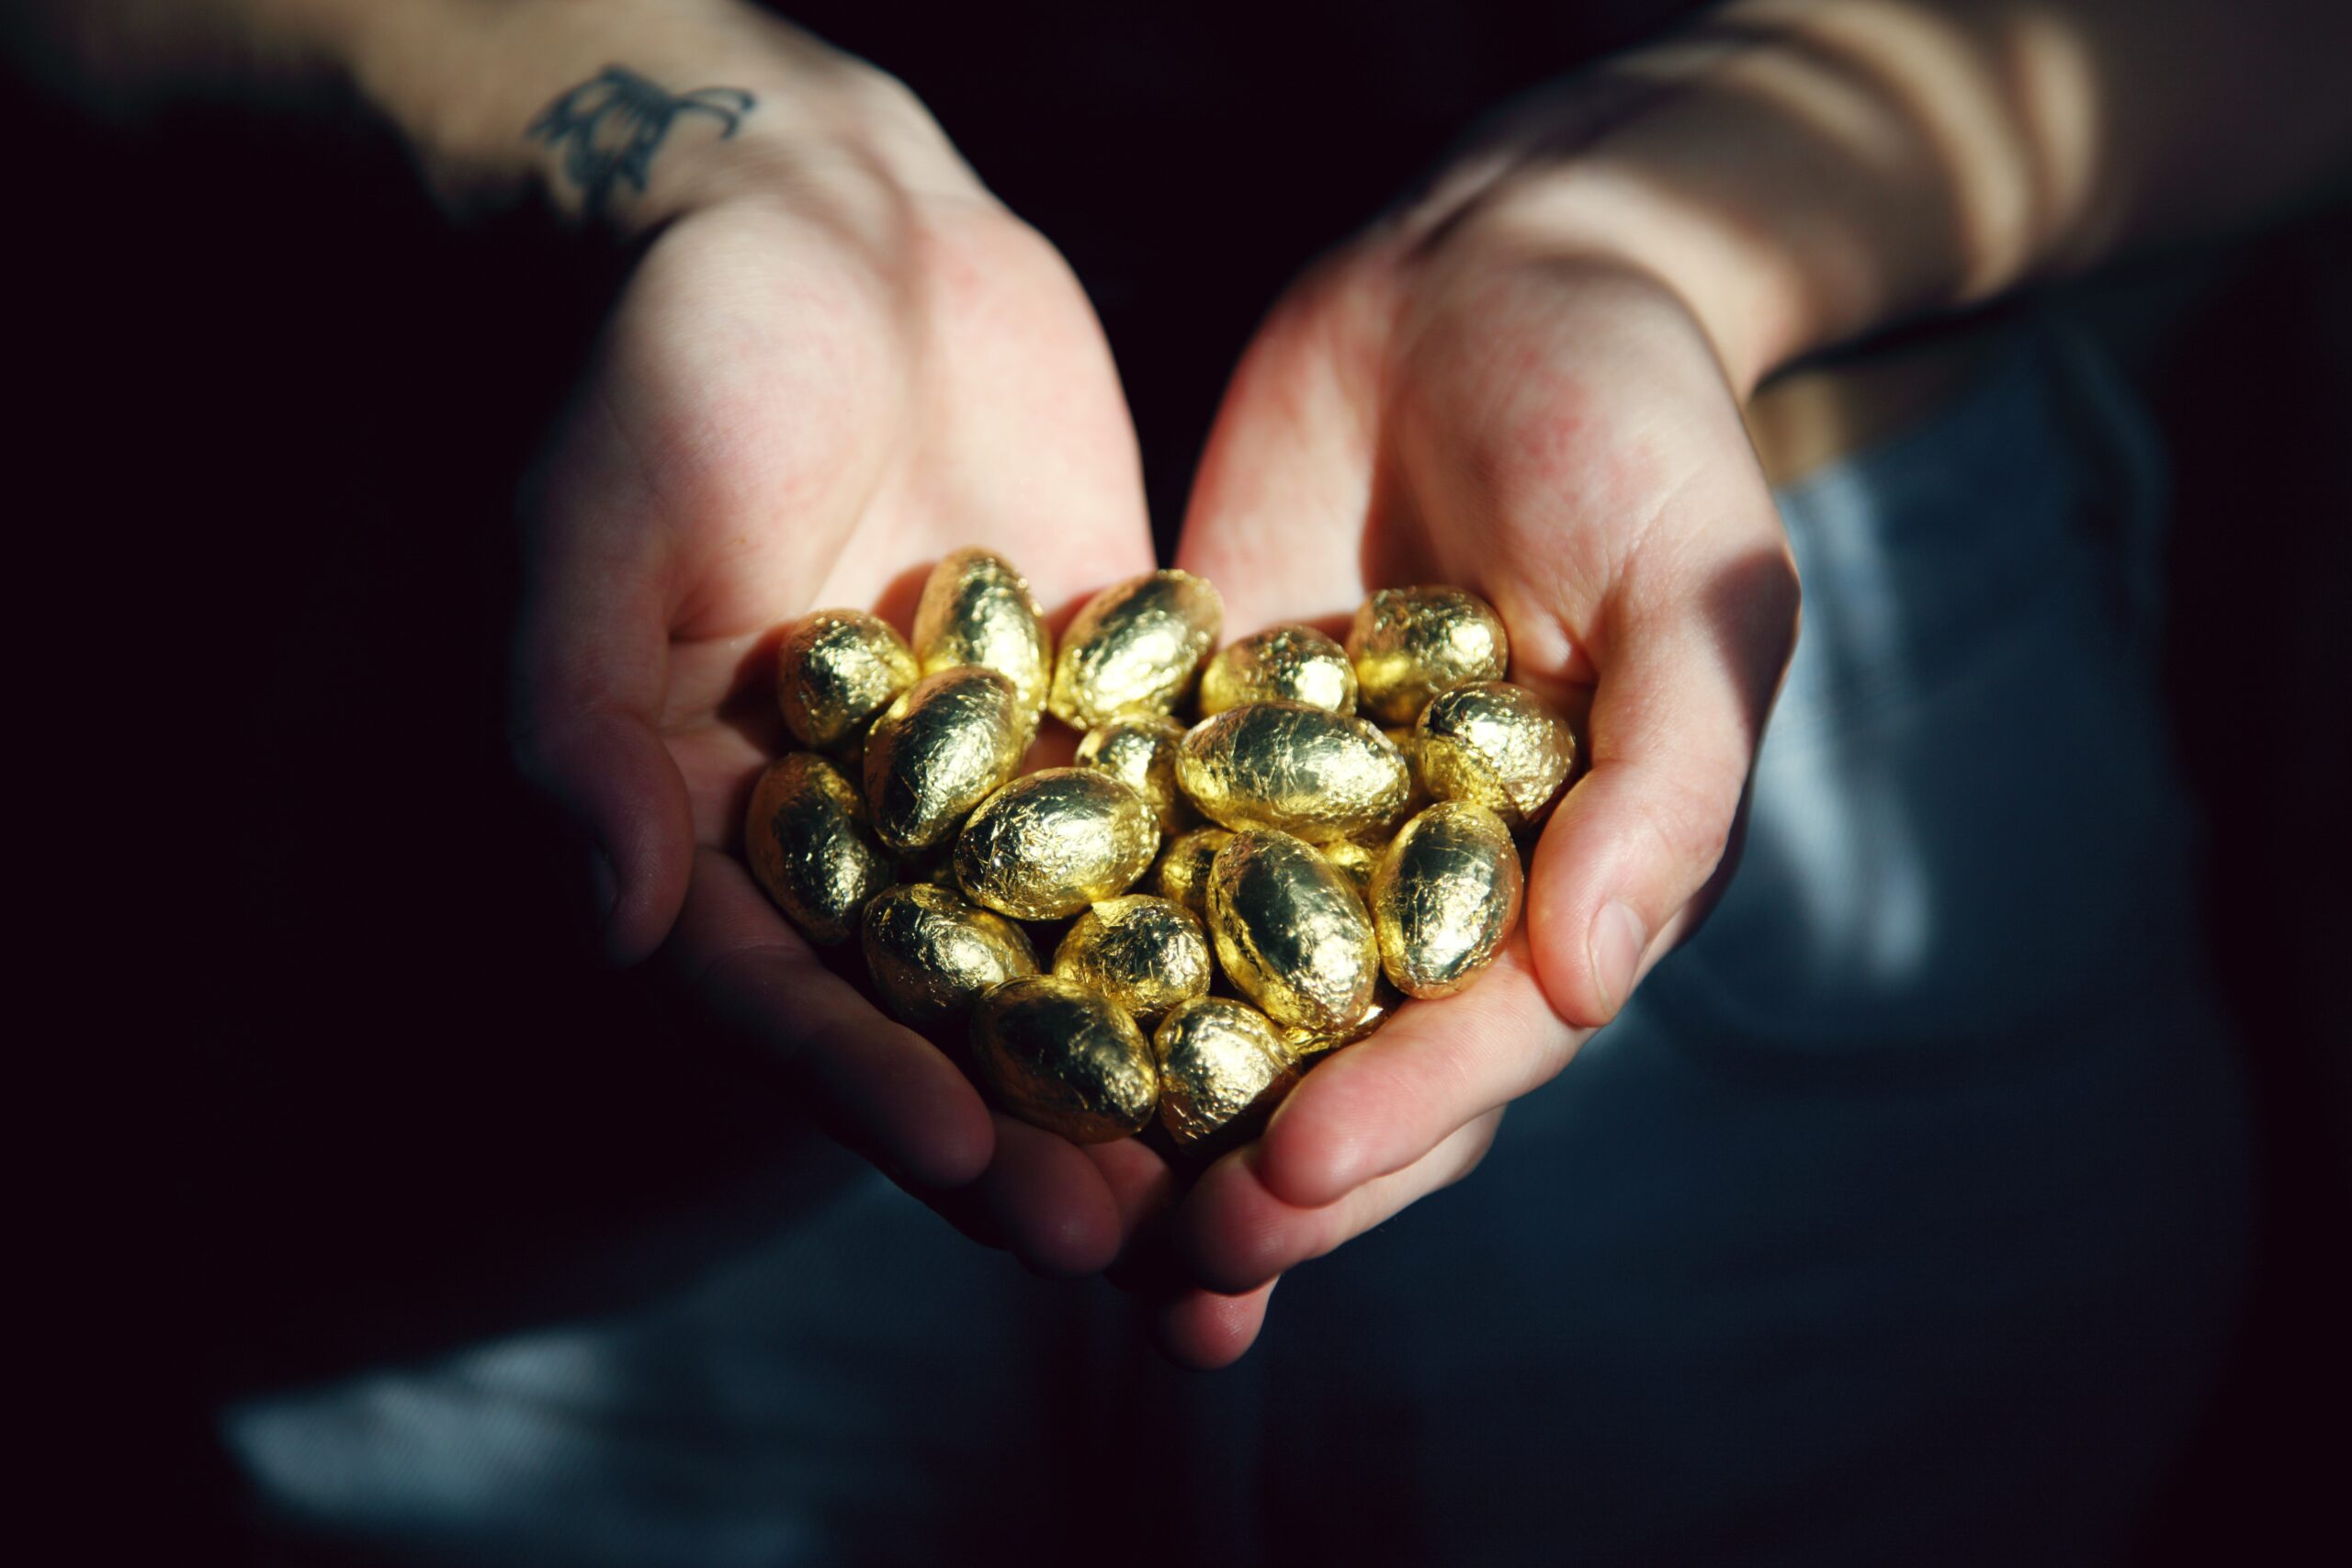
pixel 1048 844
pixel 1495 745
pixel 834 671
pixel 1145 954
pixel 1065 1058
pixel 1409 644
pixel 1135 647
pixel 976 610
pixel 1142 751
pixel 1445 898
pixel 1291 932
pixel 1182 876
pixel 805 837
pixel 1305 770
pixel 1356 861
pixel 1294 664
pixel 938 751
pixel 932 955
pixel 1222 1071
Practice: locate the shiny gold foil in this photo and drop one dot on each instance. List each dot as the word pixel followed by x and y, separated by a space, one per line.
pixel 941 749
pixel 1409 644
pixel 1145 954
pixel 834 671
pixel 805 837
pixel 1143 753
pixel 1291 932
pixel 977 610
pixel 1049 843
pixel 1222 1071
pixel 1135 647
pixel 1357 861
pixel 1495 745
pixel 932 955
pixel 1306 1044
pixel 1291 664
pixel 1308 771
pixel 1182 875
pixel 1446 897
pixel 1065 1058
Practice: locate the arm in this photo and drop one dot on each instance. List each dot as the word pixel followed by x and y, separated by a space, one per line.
pixel 1528 379
pixel 837 358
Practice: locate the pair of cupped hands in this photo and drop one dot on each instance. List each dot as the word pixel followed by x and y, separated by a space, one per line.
pixel 823 379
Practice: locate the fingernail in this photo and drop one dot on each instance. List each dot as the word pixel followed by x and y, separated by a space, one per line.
pixel 1615 948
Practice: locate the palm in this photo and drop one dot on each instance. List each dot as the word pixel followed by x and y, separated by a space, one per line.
pixel 1557 437
pixel 782 420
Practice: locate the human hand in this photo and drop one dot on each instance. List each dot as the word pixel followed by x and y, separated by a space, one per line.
pixel 1490 394
pixel 840 360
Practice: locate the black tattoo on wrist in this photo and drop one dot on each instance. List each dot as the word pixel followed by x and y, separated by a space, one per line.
pixel 610 125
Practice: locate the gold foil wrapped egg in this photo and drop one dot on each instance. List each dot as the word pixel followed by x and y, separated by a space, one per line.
pixel 1142 751
pixel 932 955
pixel 941 749
pixel 1222 1071
pixel 977 610
pixel 1049 843
pixel 1309 772
pixel 1135 647
pixel 1356 861
pixel 1065 1058
pixel 805 837
pixel 1409 644
pixel 1293 664
pixel 1145 954
pixel 1291 932
pixel 834 671
pixel 1182 876
pixel 1494 744
pixel 1445 898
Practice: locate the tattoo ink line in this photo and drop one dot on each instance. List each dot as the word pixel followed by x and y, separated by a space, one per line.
pixel 610 125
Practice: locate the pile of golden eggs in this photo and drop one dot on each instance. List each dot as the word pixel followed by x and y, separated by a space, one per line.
pixel 1241 895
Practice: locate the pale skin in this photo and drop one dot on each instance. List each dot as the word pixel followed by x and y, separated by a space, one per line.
pixel 842 357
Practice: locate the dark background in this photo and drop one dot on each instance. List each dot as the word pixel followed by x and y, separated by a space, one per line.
pixel 344 1084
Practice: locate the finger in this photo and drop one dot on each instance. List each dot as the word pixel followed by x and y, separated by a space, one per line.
pixel 1052 1206
pixel 587 674
pixel 1201 1331
pixel 1384 1103
pixel 880 1088
pixel 1693 660
pixel 1141 1185
pixel 1235 1234
pixel 1283 487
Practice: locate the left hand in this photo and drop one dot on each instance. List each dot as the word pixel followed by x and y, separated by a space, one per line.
pixel 1485 402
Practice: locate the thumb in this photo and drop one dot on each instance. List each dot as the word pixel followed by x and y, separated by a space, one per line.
pixel 589 665
pixel 1676 720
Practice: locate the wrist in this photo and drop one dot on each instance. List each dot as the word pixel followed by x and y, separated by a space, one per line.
pixel 622 115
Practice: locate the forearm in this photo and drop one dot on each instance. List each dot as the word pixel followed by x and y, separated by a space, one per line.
pixel 1805 171
pixel 470 85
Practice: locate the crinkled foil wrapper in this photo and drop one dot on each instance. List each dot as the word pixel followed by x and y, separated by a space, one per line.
pixel 1049 843
pixel 1142 752
pixel 948 742
pixel 834 671
pixel 1305 770
pixel 1445 898
pixel 1183 874
pixel 977 610
pixel 932 955
pixel 1135 647
pixel 1065 1058
pixel 1498 746
pixel 1281 664
pixel 1223 1069
pixel 1143 952
pixel 1291 932
pixel 1409 644
pixel 803 834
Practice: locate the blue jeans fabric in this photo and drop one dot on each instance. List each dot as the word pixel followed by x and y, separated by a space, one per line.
pixel 1901 1219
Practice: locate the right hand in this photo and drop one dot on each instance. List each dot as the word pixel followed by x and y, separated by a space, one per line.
pixel 847 360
